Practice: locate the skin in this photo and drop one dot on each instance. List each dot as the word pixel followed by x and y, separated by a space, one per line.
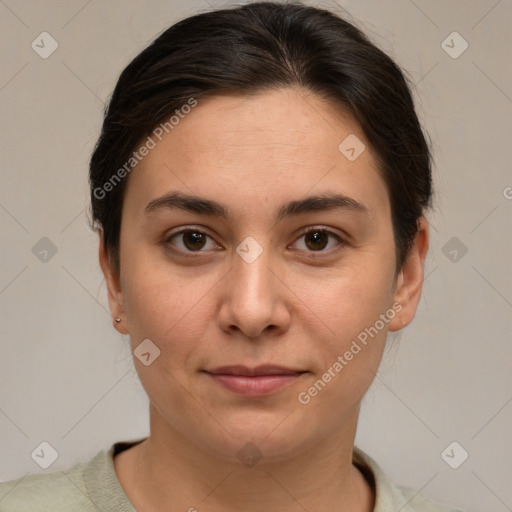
pixel 212 308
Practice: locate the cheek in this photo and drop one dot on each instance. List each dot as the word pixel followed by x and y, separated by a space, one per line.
pixel 169 307
pixel 348 308
pixel 349 353
pixel 345 301
pixel 172 312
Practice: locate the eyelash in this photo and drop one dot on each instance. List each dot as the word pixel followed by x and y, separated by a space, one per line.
pixel 321 229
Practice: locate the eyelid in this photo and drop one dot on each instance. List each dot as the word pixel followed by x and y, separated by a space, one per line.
pixel 319 227
pixel 191 227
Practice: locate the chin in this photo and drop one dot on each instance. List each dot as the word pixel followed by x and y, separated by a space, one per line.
pixel 269 438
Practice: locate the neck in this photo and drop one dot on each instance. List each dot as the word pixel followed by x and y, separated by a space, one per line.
pixel 168 471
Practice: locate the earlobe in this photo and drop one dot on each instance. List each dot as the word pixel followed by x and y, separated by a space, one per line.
pixel 113 282
pixel 410 280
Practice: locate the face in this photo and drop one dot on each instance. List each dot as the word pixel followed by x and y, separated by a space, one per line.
pixel 293 267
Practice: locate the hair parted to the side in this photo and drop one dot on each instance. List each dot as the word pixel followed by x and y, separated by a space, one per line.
pixel 256 47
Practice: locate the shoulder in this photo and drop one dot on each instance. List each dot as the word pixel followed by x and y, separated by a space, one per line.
pixel 415 501
pixel 45 491
pixel 56 491
pixel 391 497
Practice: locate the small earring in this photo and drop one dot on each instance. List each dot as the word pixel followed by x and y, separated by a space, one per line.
pixel 117 319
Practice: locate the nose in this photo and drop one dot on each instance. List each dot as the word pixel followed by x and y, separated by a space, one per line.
pixel 255 300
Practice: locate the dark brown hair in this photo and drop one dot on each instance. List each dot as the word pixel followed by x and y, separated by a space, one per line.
pixel 249 49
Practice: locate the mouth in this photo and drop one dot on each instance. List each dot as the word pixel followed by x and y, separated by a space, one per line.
pixel 261 380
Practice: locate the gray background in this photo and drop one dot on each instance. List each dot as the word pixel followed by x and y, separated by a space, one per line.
pixel 66 375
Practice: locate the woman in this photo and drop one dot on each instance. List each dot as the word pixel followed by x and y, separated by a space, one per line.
pixel 259 189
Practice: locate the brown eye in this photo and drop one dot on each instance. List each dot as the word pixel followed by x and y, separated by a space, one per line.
pixel 190 240
pixel 194 240
pixel 316 240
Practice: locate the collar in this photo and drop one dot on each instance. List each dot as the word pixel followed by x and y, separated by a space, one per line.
pixel 100 475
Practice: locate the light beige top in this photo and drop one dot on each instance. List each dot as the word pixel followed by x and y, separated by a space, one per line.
pixel 93 486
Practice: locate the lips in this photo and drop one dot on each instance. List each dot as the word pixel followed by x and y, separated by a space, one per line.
pixel 264 369
pixel 259 381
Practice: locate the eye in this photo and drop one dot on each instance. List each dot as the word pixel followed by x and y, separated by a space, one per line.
pixel 195 240
pixel 317 239
pixel 191 240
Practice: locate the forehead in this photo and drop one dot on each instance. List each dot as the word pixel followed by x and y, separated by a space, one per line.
pixel 286 122
pixel 276 145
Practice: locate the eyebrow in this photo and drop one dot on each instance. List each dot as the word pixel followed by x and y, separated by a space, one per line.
pixel 203 206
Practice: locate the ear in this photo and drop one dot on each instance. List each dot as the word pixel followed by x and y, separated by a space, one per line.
pixel 113 282
pixel 410 279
